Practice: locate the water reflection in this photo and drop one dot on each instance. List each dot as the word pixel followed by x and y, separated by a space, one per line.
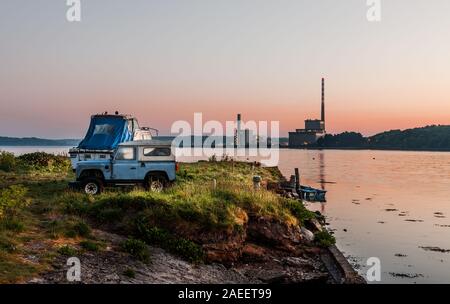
pixel 387 204
pixel 322 178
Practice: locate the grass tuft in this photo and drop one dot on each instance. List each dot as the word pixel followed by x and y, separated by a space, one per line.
pixel 324 239
pixel 90 246
pixel 67 250
pixel 180 246
pixel 136 248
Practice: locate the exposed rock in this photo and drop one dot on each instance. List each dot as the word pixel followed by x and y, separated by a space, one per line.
pixel 288 270
pixel 314 225
pixel 36 281
pixel 252 252
pixel 225 252
pixel 307 234
pixel 268 231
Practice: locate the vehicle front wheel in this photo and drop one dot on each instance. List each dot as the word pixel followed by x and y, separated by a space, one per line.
pixel 156 183
pixel 92 186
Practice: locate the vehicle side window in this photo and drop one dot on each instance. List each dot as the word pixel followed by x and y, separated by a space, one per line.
pixel 125 153
pixel 157 152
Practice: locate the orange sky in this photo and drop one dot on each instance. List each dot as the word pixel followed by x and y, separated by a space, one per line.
pixel 162 61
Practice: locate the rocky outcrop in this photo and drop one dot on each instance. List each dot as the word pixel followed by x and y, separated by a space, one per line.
pixel 258 264
pixel 272 232
pixel 229 246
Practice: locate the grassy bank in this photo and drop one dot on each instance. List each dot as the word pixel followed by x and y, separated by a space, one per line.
pixel 210 203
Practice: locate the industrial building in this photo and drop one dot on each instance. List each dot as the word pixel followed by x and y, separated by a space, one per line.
pixel 244 138
pixel 314 128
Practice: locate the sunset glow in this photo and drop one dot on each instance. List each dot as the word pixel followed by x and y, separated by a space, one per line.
pixel 162 61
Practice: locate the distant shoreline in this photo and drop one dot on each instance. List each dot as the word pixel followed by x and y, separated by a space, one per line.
pixel 369 149
pixel 23 145
pixel 36 142
pixel 283 148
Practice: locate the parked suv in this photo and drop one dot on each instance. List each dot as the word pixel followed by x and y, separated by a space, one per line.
pixel 150 163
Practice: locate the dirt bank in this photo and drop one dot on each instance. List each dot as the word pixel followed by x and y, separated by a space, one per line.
pixel 259 265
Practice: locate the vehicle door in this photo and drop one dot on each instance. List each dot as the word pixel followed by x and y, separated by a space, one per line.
pixel 125 164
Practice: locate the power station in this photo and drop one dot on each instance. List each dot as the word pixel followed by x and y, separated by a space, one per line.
pixel 314 128
pixel 244 138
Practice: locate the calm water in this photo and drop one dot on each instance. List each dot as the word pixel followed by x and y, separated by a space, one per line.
pixel 384 204
pixel 23 150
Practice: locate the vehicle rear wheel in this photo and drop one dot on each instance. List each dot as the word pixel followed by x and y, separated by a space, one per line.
pixel 156 183
pixel 92 186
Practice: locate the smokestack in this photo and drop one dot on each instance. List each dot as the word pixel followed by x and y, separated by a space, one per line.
pixel 239 122
pixel 237 134
pixel 323 102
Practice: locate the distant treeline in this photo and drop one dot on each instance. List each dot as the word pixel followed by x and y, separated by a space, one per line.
pixel 426 138
pixel 33 141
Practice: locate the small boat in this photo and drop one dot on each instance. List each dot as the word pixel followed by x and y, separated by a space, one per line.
pixel 305 192
pixel 312 194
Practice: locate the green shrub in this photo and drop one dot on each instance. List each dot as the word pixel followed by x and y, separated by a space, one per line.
pixel 42 160
pixel 160 237
pixel 324 238
pixel 7 161
pixel 90 246
pixel 12 224
pixel 136 248
pixel 12 199
pixel 75 203
pixel 70 230
pixel 82 229
pixel 67 250
pixel 299 210
pixel 69 233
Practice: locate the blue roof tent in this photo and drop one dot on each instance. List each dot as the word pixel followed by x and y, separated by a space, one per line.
pixel 106 132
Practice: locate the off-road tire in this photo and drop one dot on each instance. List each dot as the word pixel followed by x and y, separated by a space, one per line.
pixel 156 183
pixel 92 186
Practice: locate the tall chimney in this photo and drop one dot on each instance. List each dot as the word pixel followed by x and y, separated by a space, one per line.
pixel 239 122
pixel 237 135
pixel 323 102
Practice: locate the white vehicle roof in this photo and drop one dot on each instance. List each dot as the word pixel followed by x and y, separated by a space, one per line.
pixel 147 143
